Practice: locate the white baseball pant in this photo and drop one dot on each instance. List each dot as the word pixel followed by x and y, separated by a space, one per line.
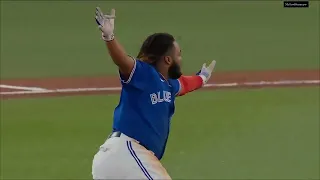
pixel 124 158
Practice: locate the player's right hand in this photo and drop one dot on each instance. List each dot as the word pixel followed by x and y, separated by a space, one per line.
pixel 205 72
pixel 106 23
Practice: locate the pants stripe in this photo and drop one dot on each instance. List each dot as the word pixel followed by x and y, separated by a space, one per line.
pixel 134 155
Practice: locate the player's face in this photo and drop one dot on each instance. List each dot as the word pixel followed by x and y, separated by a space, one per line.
pixel 174 70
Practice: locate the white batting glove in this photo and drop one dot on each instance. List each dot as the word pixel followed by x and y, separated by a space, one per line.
pixel 106 23
pixel 205 72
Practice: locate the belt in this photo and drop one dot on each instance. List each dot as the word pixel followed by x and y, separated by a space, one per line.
pixel 118 134
pixel 115 134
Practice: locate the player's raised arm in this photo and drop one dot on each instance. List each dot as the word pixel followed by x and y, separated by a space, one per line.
pixel 191 83
pixel 116 51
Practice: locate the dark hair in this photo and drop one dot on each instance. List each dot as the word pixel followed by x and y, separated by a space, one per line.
pixel 156 46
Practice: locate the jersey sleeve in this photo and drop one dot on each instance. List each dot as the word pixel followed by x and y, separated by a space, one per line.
pixel 176 86
pixel 138 77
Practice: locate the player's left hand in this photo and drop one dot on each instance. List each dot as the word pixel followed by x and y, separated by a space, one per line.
pixel 206 71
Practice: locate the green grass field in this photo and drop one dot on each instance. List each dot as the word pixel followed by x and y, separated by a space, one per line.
pixel 234 134
pixel 61 38
pixel 269 134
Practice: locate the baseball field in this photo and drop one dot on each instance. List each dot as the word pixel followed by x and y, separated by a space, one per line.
pixel 257 118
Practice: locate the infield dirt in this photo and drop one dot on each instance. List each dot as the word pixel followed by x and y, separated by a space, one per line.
pixel 106 85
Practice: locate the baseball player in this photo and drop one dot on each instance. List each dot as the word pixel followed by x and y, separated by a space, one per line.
pixel 141 124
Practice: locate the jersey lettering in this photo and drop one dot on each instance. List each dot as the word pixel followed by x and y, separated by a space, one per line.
pixel 160 96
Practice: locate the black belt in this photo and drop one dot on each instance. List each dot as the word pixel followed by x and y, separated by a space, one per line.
pixel 115 134
pixel 118 134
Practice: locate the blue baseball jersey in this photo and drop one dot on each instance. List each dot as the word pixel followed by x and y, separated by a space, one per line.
pixel 146 107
